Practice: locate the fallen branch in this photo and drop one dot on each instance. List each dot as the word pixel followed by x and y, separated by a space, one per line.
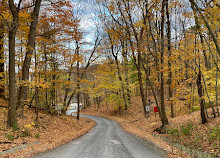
pixel 5 142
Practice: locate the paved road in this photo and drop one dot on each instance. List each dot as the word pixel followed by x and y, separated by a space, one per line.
pixel 106 140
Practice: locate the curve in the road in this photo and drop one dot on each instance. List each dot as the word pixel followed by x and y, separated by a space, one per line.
pixel 106 140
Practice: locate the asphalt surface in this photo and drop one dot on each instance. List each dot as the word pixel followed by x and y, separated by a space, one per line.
pixel 106 140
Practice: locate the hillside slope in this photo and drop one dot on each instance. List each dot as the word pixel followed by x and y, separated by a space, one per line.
pixel 30 138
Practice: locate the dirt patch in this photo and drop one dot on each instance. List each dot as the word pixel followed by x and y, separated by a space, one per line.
pixel 51 131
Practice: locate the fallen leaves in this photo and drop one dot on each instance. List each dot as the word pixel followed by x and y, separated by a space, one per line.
pixel 51 132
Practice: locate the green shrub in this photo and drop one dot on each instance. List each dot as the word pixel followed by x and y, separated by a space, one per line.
pixel 15 127
pixel 10 137
pixel 37 135
pixel 186 130
pixel 214 134
pixel 25 133
pixel 173 132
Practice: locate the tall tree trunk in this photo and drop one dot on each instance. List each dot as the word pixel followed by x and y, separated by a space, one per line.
pixel 141 84
pixel 126 78
pixel 216 92
pixel 78 81
pixel 169 60
pixel 37 77
pixel 26 65
pixel 45 79
pixel 162 99
pixel 201 96
pixel 12 76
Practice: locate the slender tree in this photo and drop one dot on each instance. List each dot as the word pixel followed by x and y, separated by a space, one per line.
pixel 22 95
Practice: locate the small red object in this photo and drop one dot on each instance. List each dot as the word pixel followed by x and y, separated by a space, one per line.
pixel 155 109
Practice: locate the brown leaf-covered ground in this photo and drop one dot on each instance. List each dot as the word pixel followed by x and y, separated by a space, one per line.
pixel 133 121
pixel 51 132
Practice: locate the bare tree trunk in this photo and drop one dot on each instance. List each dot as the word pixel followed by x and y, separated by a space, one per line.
pixel 22 95
pixel 141 84
pixel 78 81
pixel 169 62
pixel 126 80
pixel 45 79
pixel 36 88
pixel 201 95
pixel 12 76
pixel 162 99
pixel 216 92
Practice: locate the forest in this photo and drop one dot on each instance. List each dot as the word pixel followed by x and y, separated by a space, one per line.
pixel 165 52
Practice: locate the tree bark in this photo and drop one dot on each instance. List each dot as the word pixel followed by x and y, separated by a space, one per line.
pixel 216 92
pixel 201 96
pixel 78 81
pixel 162 99
pixel 26 65
pixel 169 60
pixel 12 76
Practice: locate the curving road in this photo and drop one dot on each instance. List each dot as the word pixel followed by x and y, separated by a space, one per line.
pixel 106 140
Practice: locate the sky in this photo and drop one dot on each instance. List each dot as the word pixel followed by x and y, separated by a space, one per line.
pixel 86 10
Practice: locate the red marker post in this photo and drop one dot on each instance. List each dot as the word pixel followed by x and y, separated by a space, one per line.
pixel 155 110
